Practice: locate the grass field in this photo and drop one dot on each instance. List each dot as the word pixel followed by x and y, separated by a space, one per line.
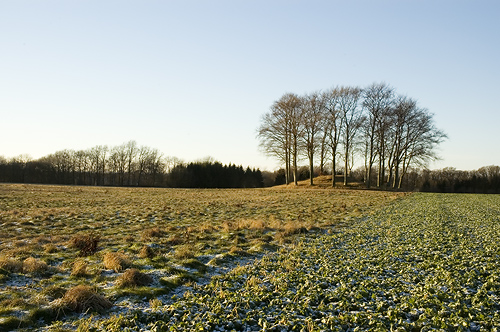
pixel 247 260
pixel 68 250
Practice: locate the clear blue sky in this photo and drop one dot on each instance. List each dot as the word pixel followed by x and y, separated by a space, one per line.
pixel 192 78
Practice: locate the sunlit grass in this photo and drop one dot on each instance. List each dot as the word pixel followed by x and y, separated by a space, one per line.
pixel 62 236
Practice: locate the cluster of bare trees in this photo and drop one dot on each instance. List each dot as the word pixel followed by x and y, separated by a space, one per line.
pixel 389 132
pixel 127 164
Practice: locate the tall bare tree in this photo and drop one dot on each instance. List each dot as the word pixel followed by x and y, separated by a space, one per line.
pixel 118 162
pixel 420 140
pixel 333 124
pixel 351 112
pixel 131 154
pixel 414 138
pixel 280 131
pixel 378 99
pixel 312 115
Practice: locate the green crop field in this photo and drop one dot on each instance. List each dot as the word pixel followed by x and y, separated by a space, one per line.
pixel 109 259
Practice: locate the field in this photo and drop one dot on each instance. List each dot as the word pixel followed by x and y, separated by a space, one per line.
pixel 136 249
pixel 247 260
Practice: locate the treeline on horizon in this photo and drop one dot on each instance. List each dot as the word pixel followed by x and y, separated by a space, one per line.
pixel 62 168
pixel 126 165
pixel 450 180
pixel 485 180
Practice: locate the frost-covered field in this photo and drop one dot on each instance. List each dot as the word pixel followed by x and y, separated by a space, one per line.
pixel 428 262
pixel 67 253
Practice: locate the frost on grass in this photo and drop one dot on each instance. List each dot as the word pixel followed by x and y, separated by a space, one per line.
pixel 429 262
pixel 180 238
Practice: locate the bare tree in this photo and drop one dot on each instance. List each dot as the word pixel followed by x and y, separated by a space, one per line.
pixel 378 99
pixel 333 124
pixel 97 159
pixel 155 165
pixel 275 140
pixel 401 118
pixel 131 154
pixel 312 115
pixel 421 139
pixel 414 139
pixel 351 112
pixel 280 131
pixel 118 162
pixel 324 150
pixel 148 163
pixel 171 162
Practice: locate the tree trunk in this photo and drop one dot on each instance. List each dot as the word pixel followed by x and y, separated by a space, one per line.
pixel 346 165
pixel 311 171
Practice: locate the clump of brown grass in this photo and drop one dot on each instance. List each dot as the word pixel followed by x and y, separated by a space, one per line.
pixel 150 233
pixel 205 228
pixel 174 240
pixel 50 248
pixel 292 228
pixel 116 261
pixel 184 252
pixel 86 243
pixel 84 298
pixel 252 224
pixel 228 226
pixel 79 269
pixel 146 252
pixel 11 265
pixel 133 278
pixel 274 222
pixel 33 265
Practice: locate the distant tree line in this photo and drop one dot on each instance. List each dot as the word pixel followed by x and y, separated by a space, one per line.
pixel 447 180
pixel 214 175
pixel 450 180
pixel 125 165
pixel 388 132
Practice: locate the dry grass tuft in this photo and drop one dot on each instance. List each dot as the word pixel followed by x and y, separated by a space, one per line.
pixel 11 265
pixel 184 252
pixel 84 298
pixel 133 278
pixel 292 228
pixel 116 261
pixel 33 265
pixel 79 269
pixel 146 252
pixel 86 243
pixel 50 248
pixel 252 224
pixel 174 240
pixel 206 229
pixel 228 226
pixel 151 233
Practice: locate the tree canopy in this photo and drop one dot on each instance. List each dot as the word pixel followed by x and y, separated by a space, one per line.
pixel 391 133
